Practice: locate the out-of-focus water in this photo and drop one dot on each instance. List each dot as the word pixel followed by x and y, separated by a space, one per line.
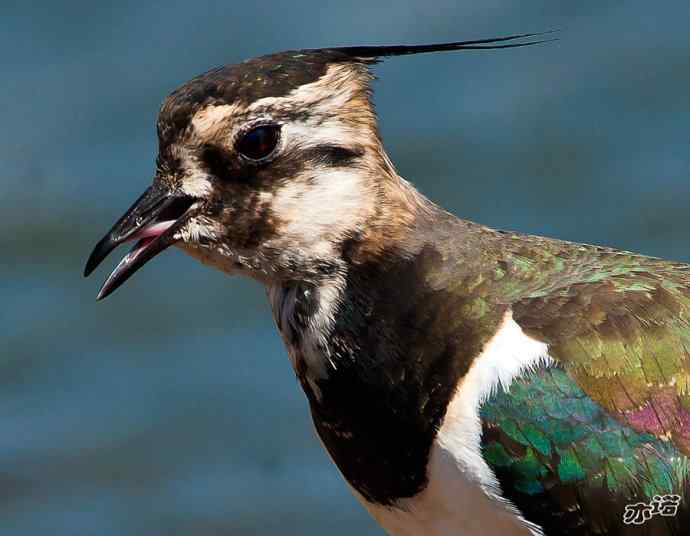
pixel 171 408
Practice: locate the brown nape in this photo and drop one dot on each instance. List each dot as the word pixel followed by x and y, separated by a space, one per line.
pixel 399 206
pixel 399 213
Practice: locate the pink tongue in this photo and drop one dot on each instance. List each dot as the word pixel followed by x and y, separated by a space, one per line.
pixel 145 236
pixel 138 248
pixel 152 230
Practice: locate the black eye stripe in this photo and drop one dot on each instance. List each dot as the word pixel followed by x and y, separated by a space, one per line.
pixel 259 142
pixel 219 163
pixel 225 165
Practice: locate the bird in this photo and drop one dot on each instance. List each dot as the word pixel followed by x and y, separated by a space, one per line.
pixel 464 380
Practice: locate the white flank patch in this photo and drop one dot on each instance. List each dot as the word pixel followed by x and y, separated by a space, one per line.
pixel 463 495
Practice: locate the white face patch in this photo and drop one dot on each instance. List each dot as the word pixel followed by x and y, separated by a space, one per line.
pixel 314 214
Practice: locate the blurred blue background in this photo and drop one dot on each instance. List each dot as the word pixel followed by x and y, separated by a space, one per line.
pixel 171 407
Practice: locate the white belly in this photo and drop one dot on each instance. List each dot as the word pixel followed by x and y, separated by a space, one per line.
pixel 451 505
pixel 462 496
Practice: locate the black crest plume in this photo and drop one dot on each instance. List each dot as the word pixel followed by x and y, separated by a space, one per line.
pixel 276 75
pixel 381 51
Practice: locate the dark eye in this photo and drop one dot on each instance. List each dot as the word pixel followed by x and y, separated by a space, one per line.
pixel 259 142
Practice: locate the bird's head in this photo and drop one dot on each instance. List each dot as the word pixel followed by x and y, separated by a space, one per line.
pixel 272 168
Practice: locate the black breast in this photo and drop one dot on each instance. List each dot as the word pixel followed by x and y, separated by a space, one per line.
pixel 399 348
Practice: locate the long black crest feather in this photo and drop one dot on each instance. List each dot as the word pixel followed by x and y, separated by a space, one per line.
pixel 380 51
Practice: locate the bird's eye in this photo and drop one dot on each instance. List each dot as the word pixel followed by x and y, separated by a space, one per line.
pixel 259 142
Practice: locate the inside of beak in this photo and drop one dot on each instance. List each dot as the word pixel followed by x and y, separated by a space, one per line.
pixel 151 222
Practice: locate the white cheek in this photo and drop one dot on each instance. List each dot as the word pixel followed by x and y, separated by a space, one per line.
pixel 328 208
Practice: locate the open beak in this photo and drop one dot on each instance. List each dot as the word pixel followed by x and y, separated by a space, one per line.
pixel 152 221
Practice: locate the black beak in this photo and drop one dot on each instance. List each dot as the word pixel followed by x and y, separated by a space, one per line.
pixel 152 220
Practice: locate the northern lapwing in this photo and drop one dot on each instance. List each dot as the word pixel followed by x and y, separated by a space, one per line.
pixel 464 380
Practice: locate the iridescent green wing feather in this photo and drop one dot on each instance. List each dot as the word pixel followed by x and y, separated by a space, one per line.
pixel 610 424
pixel 572 468
pixel 619 324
